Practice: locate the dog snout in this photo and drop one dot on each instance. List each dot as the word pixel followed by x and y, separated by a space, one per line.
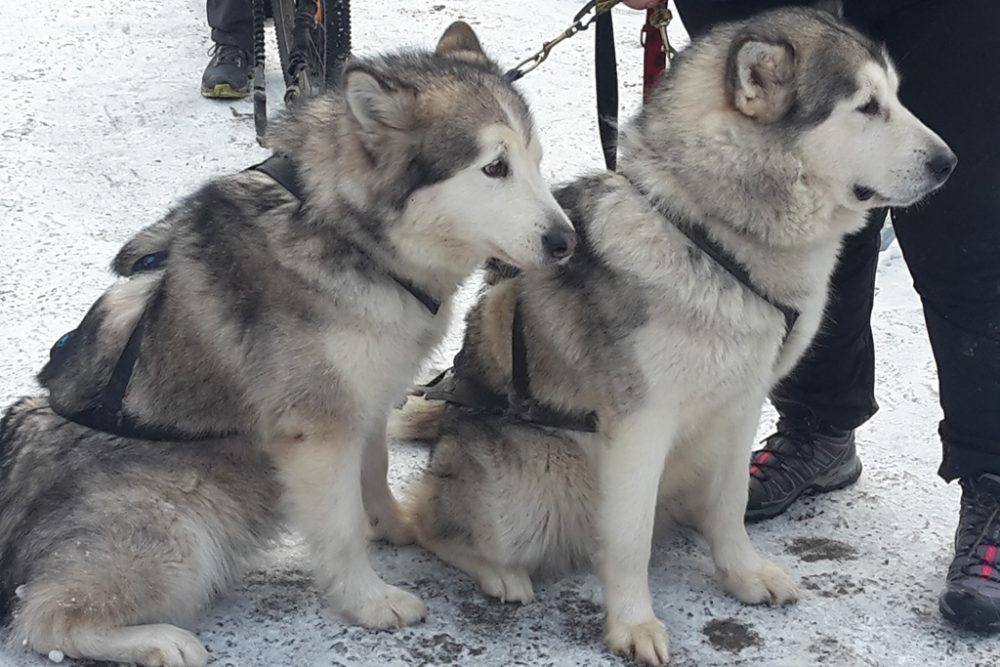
pixel 558 243
pixel 941 164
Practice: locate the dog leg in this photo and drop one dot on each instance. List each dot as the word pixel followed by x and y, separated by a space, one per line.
pixel 722 502
pixel 630 467
pixel 322 480
pixel 384 513
pixel 158 645
pixel 82 622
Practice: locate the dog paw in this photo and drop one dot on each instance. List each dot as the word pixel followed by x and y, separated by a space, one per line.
pixel 767 583
pixel 506 584
pixel 169 646
pixel 394 529
pixel 386 608
pixel 645 643
pixel 389 523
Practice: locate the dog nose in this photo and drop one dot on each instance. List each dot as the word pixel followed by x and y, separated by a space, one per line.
pixel 559 244
pixel 942 164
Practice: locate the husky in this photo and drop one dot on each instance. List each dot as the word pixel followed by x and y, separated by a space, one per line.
pixel 249 357
pixel 631 379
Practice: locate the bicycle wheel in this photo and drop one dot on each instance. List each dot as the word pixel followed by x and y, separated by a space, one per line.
pixel 337 20
pixel 301 37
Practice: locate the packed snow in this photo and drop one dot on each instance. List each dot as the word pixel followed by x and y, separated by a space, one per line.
pixel 102 127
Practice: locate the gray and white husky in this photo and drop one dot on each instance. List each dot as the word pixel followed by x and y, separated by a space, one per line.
pixel 700 278
pixel 251 354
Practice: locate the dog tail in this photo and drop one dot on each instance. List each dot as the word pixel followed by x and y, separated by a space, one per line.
pixel 151 241
pixel 418 419
pixel 17 426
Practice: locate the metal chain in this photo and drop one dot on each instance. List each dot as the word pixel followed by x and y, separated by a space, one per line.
pixel 598 7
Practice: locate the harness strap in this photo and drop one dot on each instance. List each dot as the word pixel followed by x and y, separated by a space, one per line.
pixel 468 393
pixel 283 171
pixel 521 404
pixel 519 374
pixel 108 414
pixel 700 238
pixel 463 391
pixel 606 76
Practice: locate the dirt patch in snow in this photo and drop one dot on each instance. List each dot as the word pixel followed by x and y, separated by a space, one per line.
pixel 829 585
pixel 812 549
pixel 728 634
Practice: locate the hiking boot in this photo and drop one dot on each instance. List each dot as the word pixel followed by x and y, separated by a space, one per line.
pixel 796 460
pixel 227 75
pixel 972 596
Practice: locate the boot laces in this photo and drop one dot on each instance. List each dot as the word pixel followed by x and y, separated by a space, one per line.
pixel 789 443
pixel 984 509
pixel 225 54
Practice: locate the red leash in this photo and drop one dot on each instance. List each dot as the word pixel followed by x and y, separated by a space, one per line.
pixel 654 58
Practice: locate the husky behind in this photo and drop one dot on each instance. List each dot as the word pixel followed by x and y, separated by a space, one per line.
pixel 259 337
pixel 768 142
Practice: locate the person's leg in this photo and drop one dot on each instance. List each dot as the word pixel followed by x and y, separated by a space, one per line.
pixel 828 394
pixel 228 72
pixel 700 15
pixel 833 384
pixel 951 243
pixel 232 23
pixel 946 53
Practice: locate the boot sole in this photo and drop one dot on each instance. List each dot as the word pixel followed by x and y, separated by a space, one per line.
pixel 223 91
pixel 969 611
pixel 821 485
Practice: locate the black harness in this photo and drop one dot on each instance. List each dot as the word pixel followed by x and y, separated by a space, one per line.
pixel 698 235
pixel 284 172
pixel 470 394
pixel 519 404
pixel 107 414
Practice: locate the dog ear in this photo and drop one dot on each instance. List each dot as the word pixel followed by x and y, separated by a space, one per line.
pixel 376 102
pixel 460 41
pixel 835 7
pixel 761 77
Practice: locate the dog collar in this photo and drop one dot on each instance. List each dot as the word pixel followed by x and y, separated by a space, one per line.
pixel 284 172
pixel 697 235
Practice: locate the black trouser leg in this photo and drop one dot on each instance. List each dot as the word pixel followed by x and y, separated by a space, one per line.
pixel 946 51
pixel 232 23
pixel 700 15
pixel 834 382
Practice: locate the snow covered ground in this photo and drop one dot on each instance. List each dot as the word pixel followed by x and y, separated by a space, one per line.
pixel 102 127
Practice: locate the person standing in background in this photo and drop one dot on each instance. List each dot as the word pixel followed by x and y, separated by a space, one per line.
pixel 227 75
pixel 946 54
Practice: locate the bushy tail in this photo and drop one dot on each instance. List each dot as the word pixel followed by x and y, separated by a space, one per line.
pixel 418 419
pixel 16 427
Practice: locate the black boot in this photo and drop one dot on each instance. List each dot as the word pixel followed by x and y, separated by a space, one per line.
pixel 972 596
pixel 796 460
pixel 227 75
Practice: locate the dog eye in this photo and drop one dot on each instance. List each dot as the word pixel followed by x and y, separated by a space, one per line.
pixel 497 169
pixel 871 108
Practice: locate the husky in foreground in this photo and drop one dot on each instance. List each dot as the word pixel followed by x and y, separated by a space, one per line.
pixel 251 356
pixel 633 376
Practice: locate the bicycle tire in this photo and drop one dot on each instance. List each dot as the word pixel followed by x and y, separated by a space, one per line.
pixel 329 45
pixel 337 20
pixel 284 24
